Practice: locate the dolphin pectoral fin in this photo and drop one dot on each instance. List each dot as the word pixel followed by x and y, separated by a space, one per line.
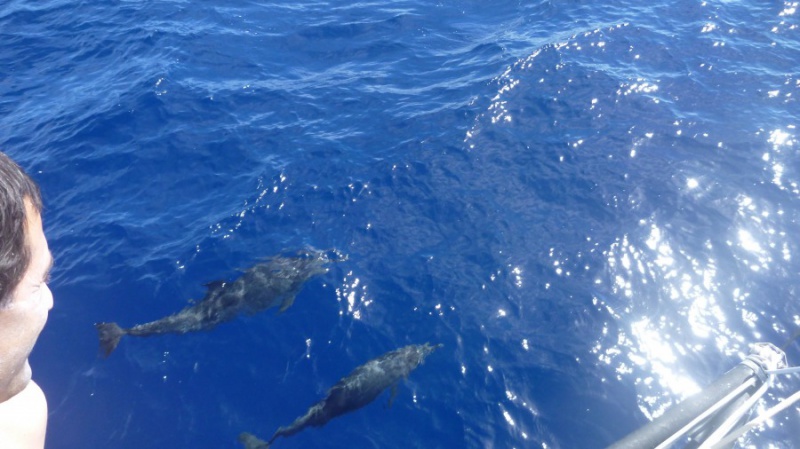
pixel 287 302
pixel 392 395
pixel 251 441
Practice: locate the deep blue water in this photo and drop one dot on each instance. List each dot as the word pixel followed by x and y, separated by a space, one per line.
pixel 593 206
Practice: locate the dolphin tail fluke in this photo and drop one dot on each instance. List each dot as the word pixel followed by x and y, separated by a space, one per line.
pixel 110 334
pixel 251 441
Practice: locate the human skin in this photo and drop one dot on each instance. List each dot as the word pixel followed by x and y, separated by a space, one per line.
pixel 23 408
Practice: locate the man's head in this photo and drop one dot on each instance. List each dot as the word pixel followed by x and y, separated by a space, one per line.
pixel 25 262
pixel 15 188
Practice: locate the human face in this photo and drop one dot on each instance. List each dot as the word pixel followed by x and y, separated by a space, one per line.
pixel 23 318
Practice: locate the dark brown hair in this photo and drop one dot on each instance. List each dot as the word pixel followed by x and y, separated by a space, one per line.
pixel 15 187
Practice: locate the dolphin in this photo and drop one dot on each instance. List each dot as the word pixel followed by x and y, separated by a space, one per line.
pixel 354 391
pixel 274 282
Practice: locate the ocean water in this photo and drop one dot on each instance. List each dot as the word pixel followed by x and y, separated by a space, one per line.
pixel 594 207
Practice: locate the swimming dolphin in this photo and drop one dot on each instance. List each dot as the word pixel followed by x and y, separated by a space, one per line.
pixel 264 285
pixel 358 389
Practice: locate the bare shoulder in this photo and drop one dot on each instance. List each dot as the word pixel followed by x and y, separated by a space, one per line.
pixel 23 419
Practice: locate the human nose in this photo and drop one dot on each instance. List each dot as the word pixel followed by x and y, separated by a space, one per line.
pixel 48 297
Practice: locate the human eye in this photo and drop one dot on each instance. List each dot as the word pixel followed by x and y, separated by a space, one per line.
pixel 43 283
